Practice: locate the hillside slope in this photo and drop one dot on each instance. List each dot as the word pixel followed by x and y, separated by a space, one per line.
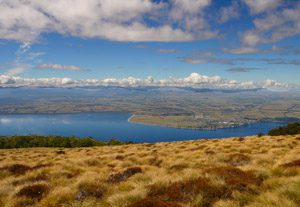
pixel 252 172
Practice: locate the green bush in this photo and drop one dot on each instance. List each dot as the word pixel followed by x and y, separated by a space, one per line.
pixel 290 129
pixel 260 134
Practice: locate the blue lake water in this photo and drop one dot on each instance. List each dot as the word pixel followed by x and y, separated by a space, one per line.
pixel 107 125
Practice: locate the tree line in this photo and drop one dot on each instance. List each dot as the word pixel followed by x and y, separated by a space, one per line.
pixel 289 129
pixel 27 141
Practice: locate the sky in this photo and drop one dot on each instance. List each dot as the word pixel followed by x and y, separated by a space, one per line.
pixel 187 43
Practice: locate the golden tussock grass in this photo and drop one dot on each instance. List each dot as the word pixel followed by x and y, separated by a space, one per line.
pixel 235 172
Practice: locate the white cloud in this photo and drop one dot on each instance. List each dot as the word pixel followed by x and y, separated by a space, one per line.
pixel 109 19
pixel 58 67
pixel 259 6
pixel 230 12
pixel 189 14
pixel 274 84
pixel 194 80
pixel 274 26
pixel 251 38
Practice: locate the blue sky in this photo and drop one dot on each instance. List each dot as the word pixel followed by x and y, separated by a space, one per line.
pixel 242 40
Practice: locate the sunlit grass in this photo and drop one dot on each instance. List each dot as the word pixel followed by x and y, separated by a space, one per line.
pixel 251 171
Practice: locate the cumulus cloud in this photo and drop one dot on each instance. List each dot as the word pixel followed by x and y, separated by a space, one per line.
pixel 58 67
pixel 273 84
pixel 108 19
pixel 273 26
pixel 194 80
pixel 230 12
pixel 259 6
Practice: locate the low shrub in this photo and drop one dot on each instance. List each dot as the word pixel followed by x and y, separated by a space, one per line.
pixel 18 169
pixel 34 191
pixel 21 169
pixel 184 191
pixel 120 157
pixel 290 129
pixel 237 179
pixel 90 189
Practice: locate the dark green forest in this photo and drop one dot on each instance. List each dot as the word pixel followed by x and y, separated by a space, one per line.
pixel 290 129
pixel 9 142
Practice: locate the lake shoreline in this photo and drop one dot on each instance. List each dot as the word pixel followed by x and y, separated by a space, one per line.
pixel 132 115
pixel 110 125
pixel 278 120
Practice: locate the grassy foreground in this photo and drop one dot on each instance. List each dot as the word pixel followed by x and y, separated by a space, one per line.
pixel 253 172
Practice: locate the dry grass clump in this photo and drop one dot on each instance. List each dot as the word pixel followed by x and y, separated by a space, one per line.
pixel 90 189
pixel 122 176
pixel 178 167
pixel 237 172
pixel 155 161
pixel 37 177
pixel 238 159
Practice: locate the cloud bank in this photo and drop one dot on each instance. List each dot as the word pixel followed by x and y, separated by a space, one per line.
pixel 194 80
pixel 174 20
pixel 148 20
pixel 277 23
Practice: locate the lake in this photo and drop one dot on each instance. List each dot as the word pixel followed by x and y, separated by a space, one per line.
pixel 107 125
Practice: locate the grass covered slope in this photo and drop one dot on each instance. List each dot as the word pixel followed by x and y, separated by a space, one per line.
pixel 253 172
